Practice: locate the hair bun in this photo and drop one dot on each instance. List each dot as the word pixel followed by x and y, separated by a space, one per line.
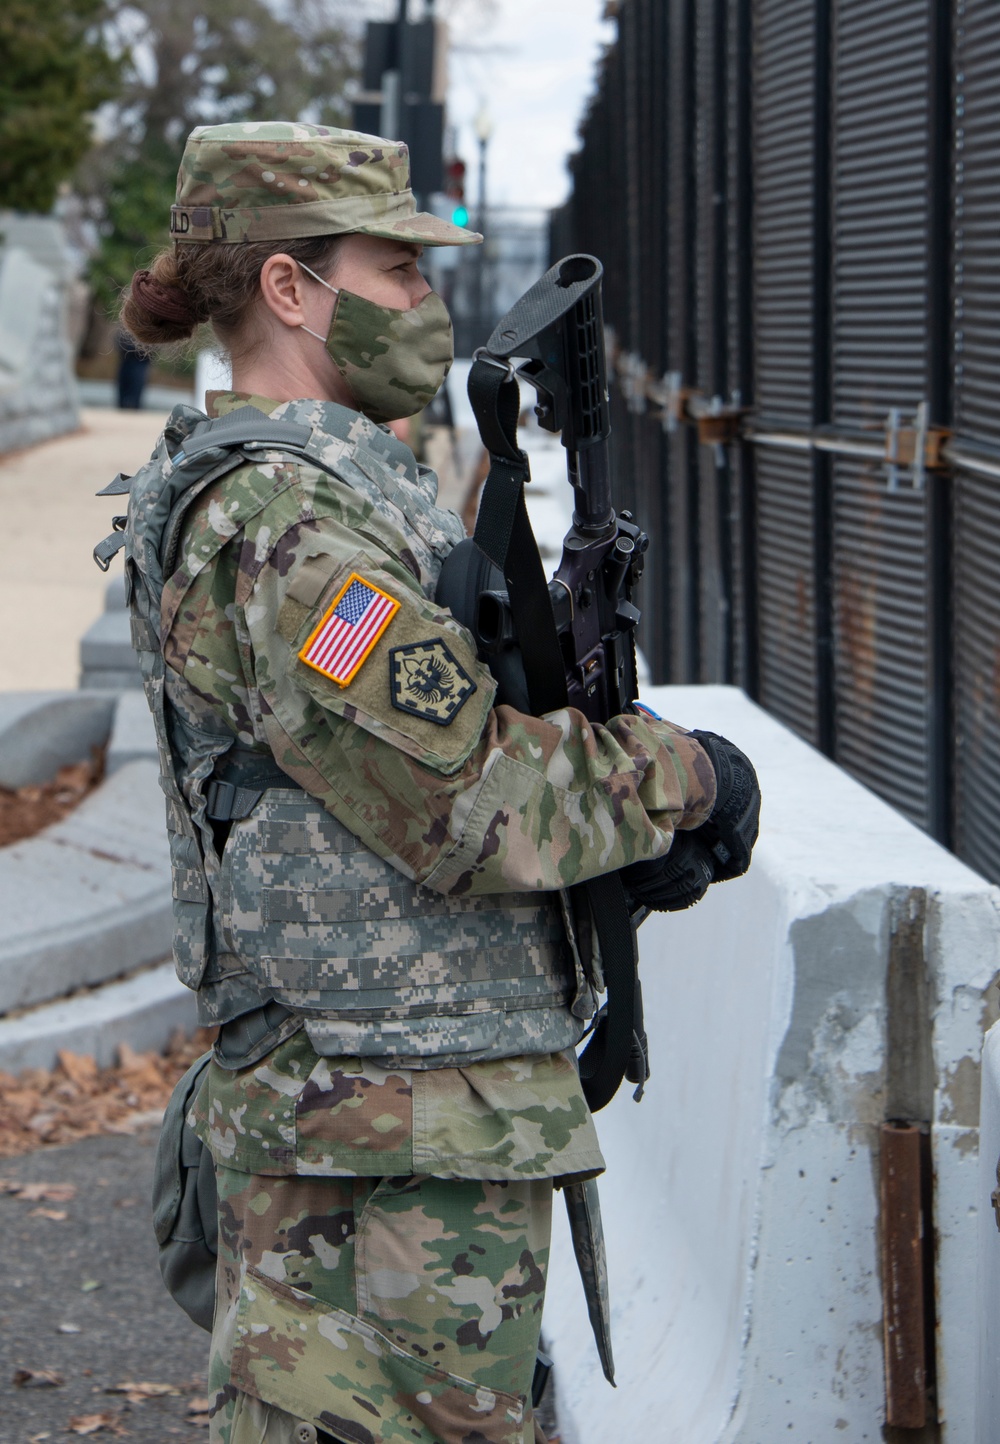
pixel 170 303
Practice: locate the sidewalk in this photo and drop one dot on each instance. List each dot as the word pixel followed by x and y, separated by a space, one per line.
pixel 50 589
pixel 81 1297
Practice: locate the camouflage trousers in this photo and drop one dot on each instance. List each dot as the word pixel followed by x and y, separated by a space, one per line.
pixel 377 1310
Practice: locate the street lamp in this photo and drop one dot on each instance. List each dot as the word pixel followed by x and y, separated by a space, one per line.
pixel 483 126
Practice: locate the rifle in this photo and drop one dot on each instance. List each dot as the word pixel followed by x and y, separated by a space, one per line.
pixel 568 641
pixel 558 326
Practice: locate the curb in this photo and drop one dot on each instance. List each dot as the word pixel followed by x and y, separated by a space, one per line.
pixel 107 659
pixel 142 1011
pixel 88 899
pixel 43 731
pixel 86 902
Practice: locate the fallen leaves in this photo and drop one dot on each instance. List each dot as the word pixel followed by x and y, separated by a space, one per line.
pixel 37 1379
pixel 38 1192
pixel 77 1099
pixel 136 1393
pixel 57 1215
pixel 80 1068
pixel 198 1413
pixel 26 810
pixel 95 1423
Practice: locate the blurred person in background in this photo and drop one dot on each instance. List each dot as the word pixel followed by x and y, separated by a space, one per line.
pixel 133 369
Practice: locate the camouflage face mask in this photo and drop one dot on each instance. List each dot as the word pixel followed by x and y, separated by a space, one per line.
pixel 393 361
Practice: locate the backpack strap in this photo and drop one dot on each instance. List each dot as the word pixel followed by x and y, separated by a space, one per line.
pixel 245 428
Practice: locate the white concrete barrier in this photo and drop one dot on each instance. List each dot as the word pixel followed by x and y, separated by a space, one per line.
pixel 988 1270
pixel 845 981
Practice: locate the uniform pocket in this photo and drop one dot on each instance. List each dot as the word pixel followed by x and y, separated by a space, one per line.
pixel 319 1363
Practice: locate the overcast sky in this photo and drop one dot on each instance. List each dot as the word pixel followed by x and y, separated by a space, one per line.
pixel 534 66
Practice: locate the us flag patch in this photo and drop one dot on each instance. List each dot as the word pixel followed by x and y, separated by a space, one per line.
pixel 349 630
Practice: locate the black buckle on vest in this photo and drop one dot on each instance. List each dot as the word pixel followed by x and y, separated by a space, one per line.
pixel 220 799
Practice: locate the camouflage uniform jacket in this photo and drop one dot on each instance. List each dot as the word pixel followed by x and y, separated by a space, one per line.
pixel 407 753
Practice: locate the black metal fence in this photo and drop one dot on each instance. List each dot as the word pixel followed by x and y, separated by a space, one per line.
pixel 798 207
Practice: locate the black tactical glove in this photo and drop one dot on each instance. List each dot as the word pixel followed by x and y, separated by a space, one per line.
pixel 732 827
pixel 679 880
pixel 718 850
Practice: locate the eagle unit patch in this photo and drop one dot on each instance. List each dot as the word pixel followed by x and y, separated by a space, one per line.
pixel 349 629
pixel 427 681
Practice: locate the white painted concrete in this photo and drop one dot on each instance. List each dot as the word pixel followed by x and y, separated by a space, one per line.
pixel 143 1011
pixel 988 1253
pixel 741 1201
pixel 212 372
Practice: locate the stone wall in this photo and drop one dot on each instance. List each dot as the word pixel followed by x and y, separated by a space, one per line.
pixel 38 398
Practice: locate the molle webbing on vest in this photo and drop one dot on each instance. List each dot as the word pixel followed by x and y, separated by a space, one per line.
pixel 379 966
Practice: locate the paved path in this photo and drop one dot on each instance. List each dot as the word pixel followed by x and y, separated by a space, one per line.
pixel 50 589
pixel 130 1329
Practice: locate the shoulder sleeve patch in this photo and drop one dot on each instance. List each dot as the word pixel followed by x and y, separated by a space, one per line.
pixel 348 630
pixel 427 680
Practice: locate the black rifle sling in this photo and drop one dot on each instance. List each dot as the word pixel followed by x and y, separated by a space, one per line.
pixel 605 1060
pixel 503 532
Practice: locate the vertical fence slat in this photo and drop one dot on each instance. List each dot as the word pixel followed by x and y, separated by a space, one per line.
pixel 880 256
pixel 784 48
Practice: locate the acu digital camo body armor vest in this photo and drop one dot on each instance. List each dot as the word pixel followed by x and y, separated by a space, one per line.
pixel 298 922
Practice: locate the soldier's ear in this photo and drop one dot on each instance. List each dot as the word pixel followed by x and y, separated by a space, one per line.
pixel 286 292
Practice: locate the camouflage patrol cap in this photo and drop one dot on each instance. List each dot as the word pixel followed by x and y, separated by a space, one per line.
pixel 282 180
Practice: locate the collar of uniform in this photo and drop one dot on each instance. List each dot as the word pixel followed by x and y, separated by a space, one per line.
pixel 219 403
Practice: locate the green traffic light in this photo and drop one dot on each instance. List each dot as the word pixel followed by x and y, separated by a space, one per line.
pixel 460 216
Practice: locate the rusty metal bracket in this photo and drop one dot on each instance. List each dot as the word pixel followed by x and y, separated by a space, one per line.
pixel 634 377
pixel 918 447
pixel 671 397
pixel 718 422
pixel 904 1163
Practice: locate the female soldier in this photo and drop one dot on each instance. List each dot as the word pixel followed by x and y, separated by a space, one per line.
pixel 367 853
